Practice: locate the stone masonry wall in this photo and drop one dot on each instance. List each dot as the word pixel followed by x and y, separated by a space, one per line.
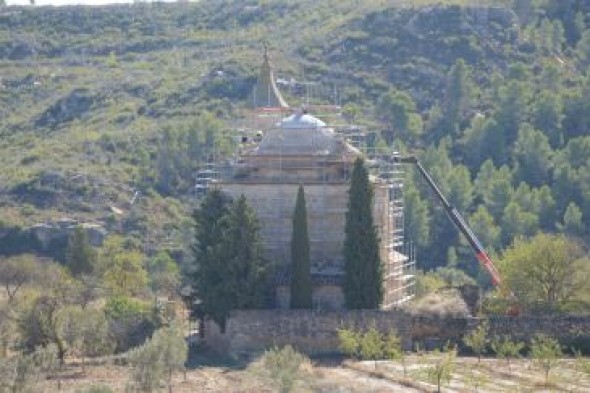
pixel 569 330
pixel 315 332
pixel 311 332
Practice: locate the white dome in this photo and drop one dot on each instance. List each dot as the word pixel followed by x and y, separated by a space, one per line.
pixel 299 134
pixel 299 120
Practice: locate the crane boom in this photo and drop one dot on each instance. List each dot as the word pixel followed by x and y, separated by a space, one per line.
pixel 480 252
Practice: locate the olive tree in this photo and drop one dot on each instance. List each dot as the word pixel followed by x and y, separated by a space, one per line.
pixel 441 366
pixel 22 372
pixel 283 366
pixel 85 331
pixel 392 349
pixel 157 359
pixel 547 272
pixel 506 348
pixel 477 340
pixel 546 353
pixel 17 271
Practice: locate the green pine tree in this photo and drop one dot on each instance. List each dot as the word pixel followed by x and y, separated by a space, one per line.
pixel 210 272
pixel 572 220
pixel 301 289
pixel 230 272
pixel 363 283
pixel 80 256
pixel 458 98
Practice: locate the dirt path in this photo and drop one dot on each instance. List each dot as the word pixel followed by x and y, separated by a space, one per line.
pixel 351 380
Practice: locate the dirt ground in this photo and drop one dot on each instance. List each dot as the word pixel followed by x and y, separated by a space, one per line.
pixel 490 375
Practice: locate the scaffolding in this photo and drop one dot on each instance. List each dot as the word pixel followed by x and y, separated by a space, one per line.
pixel 246 132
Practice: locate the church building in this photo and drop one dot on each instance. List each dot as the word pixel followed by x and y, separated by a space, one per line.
pixel 298 148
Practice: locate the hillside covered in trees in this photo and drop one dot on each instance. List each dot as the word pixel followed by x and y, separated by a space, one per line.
pixel 106 112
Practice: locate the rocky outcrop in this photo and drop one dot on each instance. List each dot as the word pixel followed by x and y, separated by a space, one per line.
pixel 58 231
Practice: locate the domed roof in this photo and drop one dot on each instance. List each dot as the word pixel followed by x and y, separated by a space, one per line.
pixel 301 120
pixel 301 134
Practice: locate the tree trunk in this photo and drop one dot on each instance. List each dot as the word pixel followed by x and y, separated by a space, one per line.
pixel 61 352
pixel 405 367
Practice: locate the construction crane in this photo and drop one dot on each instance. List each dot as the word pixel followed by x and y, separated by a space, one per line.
pixel 463 227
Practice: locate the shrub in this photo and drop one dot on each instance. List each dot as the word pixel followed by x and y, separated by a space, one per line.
pixel 131 321
pixel 157 359
pixel 371 345
pixel 546 353
pixel 392 349
pixel 20 373
pixel 173 350
pixel 477 340
pixel 146 368
pixel 349 342
pixel 440 370
pixel 283 366
pixel 506 348
pixel 445 304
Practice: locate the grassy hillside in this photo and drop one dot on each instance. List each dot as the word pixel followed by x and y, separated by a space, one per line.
pixel 86 93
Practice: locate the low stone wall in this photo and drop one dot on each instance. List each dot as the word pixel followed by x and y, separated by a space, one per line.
pixel 569 330
pixel 431 332
pixel 311 332
pixel 316 332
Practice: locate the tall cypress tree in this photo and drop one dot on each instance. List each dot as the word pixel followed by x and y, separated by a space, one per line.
pixel 301 289
pixel 242 256
pixel 363 282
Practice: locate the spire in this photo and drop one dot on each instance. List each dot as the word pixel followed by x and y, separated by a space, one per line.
pixel 265 92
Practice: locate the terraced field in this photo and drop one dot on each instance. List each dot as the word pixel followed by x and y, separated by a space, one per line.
pixel 489 375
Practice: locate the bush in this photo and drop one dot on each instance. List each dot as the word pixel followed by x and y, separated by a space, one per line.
pixel 131 321
pixel 283 366
pixel 20 373
pixel 445 304
pixel 146 368
pixel 440 370
pixel 349 342
pixel 371 345
pixel 157 359
pixel 546 353
pixel 477 340
pixel 506 348
pixel 392 349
